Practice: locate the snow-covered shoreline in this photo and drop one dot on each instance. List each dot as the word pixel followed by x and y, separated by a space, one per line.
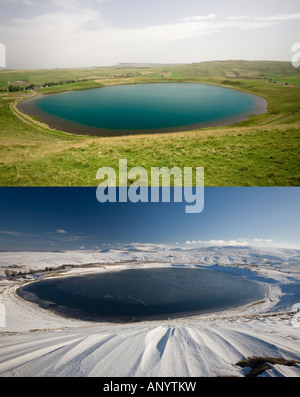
pixel 36 342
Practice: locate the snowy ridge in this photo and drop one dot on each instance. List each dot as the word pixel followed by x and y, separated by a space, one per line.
pixel 150 253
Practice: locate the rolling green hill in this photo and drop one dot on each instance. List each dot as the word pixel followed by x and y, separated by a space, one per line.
pixel 261 151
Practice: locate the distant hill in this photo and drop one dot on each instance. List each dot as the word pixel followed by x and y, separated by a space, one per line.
pixel 269 70
pixel 272 71
pixel 146 65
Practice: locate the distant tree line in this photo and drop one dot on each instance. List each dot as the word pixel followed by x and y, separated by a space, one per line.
pixel 11 272
pixel 52 83
pixel 15 88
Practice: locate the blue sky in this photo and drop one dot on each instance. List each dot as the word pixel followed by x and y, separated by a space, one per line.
pixel 72 218
pixel 77 33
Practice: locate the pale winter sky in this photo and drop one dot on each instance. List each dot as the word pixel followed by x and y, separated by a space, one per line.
pixel 83 33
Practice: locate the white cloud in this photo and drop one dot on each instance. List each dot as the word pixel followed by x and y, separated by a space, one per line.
pixel 218 242
pixel 238 18
pixel 69 18
pixel 241 242
pixel 200 18
pixel 160 33
pixel 280 17
pixel 75 33
pixel 64 236
pixel 233 243
pixel 262 240
pixel 70 239
pixel 192 27
pixel 11 233
pixel 259 21
pixel 262 18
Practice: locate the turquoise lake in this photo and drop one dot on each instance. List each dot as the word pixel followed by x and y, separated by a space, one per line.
pixel 139 294
pixel 143 108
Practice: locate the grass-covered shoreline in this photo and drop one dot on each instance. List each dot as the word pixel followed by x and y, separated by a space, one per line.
pixel 260 151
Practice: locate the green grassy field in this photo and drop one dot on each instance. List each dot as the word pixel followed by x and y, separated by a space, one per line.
pixel 261 151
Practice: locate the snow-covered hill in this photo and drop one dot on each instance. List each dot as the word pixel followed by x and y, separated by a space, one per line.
pixel 36 342
pixel 150 253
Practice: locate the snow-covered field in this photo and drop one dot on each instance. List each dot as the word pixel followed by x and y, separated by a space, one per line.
pixel 35 342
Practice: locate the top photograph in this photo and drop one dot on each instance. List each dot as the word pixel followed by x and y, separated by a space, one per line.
pixel 157 89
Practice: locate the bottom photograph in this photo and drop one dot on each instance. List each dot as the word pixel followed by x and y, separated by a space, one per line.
pixel 147 290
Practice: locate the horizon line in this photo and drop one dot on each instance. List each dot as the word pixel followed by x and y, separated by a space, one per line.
pixel 144 63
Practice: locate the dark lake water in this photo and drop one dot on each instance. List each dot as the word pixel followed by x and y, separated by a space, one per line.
pixel 143 108
pixel 140 294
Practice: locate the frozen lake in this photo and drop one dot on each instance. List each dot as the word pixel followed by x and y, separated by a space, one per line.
pixel 141 294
